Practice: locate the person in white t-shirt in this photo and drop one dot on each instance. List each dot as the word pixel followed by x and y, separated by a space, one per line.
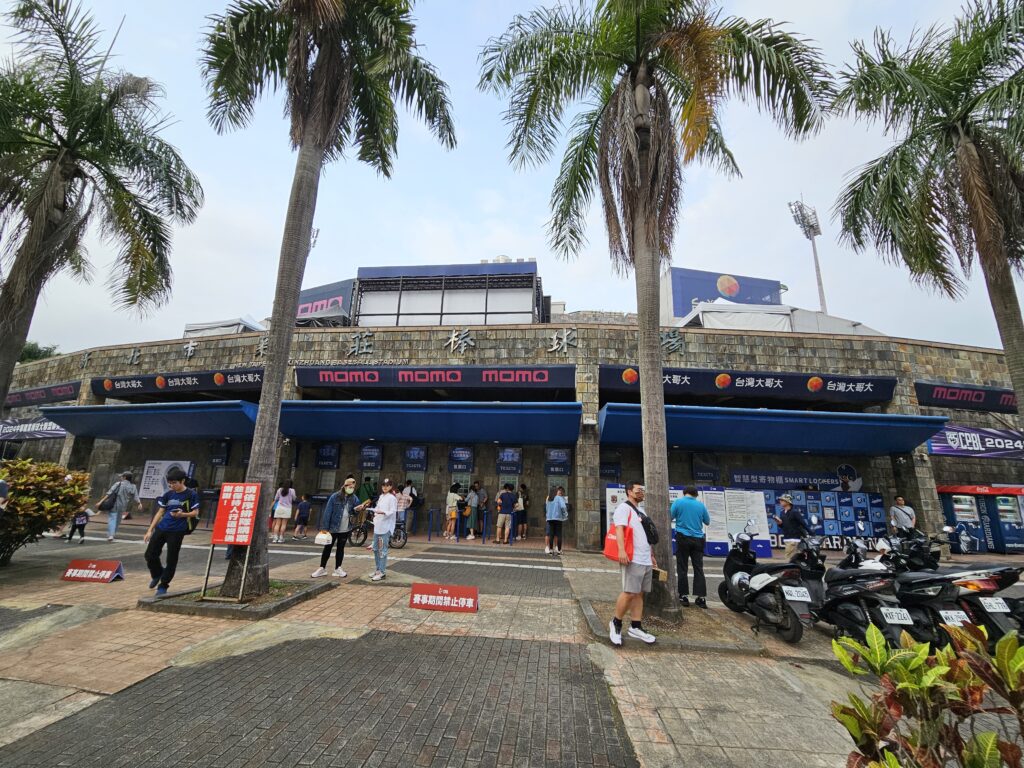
pixel 637 571
pixel 384 517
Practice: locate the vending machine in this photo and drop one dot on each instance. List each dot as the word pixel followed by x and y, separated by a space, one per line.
pixel 961 509
pixel 1004 516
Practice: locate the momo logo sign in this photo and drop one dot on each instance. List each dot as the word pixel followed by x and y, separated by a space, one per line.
pixel 429 376
pixel 467 376
pixel 342 376
pixel 966 397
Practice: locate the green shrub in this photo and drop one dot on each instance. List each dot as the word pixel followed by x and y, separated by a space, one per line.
pixel 43 496
pixel 934 710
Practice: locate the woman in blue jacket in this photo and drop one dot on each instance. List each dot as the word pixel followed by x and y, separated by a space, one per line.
pixel 557 512
pixel 338 519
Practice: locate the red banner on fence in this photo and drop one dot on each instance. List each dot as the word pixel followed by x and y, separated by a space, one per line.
pixel 445 597
pixel 104 571
pixel 236 513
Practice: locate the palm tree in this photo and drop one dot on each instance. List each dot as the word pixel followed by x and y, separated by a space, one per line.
pixel 953 183
pixel 80 145
pixel 654 74
pixel 343 65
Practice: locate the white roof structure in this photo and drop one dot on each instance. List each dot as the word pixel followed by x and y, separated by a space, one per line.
pixel 222 327
pixel 770 317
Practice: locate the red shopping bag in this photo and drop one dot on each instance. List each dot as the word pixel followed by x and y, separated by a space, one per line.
pixel 611 541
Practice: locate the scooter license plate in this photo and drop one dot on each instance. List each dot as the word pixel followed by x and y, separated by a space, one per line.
pixel 797 594
pixel 994 604
pixel 954 618
pixel 897 616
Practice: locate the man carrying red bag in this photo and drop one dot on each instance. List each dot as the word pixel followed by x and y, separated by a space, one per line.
pixel 636 561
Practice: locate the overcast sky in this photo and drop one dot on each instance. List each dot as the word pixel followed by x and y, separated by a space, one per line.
pixel 469 204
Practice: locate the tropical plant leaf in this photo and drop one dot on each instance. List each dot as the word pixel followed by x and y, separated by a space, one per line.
pixel 982 751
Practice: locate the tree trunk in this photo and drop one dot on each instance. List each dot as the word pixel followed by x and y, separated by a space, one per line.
pixel 647 269
pixel 295 243
pixel 18 298
pixel 988 238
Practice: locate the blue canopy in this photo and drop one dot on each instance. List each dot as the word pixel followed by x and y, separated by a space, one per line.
pixel 763 430
pixel 157 421
pixel 439 422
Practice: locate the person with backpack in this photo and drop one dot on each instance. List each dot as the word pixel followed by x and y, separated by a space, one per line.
pixel 637 567
pixel 118 502
pixel 175 518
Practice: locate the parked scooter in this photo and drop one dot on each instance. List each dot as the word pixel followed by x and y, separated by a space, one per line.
pixel 772 592
pixel 956 597
pixel 851 595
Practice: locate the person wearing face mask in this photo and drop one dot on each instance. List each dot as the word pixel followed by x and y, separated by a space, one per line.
pixel 338 519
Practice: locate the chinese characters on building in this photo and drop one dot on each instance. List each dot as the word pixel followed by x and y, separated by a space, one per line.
pixel 563 339
pixel 460 341
pixel 362 344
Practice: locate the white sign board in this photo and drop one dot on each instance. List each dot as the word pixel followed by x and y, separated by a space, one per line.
pixel 153 484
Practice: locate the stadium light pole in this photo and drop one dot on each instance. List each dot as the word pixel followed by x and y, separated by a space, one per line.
pixel 807 219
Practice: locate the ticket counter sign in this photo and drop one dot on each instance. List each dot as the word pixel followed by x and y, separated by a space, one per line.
pixel 103 571
pixel 236 513
pixel 445 597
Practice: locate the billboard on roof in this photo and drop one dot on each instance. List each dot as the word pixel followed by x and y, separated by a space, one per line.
pixel 695 284
pixel 335 296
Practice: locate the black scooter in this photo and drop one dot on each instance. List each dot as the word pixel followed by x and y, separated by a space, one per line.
pixel 772 592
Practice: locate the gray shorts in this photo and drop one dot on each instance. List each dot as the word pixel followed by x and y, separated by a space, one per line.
pixel 636 578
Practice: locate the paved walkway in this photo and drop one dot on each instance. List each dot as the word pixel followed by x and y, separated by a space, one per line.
pixel 357 677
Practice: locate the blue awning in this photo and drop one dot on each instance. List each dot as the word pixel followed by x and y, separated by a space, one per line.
pixel 438 422
pixel 747 430
pixel 158 421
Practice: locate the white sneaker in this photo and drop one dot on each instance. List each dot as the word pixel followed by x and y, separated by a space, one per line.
pixel 339 573
pixel 558 552
pixel 639 634
pixel 547 550
pixel 378 576
pixel 319 572
pixel 614 635
pixel 470 537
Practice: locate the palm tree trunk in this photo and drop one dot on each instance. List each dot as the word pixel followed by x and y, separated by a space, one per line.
pixel 647 265
pixel 298 228
pixel 988 238
pixel 18 297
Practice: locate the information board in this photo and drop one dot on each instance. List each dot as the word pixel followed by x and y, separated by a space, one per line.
pixel 153 483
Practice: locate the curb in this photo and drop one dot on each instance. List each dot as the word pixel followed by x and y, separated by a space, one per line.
pixel 741 646
pixel 238 611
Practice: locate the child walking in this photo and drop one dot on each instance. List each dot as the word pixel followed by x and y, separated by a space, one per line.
pixel 78 524
pixel 302 518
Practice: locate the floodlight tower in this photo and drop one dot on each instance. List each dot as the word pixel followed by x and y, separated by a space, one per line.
pixel 807 219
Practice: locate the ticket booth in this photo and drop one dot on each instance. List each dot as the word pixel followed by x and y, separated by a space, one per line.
pixel 1004 515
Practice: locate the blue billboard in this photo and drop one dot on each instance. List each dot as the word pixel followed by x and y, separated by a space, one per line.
pixel 691 284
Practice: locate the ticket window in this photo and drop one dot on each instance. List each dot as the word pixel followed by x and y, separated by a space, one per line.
pixel 1008 509
pixel 502 479
pixel 965 509
pixel 326 480
pixel 218 475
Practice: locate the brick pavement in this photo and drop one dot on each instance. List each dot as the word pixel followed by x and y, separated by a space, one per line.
pixel 382 700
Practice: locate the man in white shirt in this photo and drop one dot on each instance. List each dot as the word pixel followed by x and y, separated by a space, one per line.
pixel 410 494
pixel 902 516
pixel 384 516
pixel 637 567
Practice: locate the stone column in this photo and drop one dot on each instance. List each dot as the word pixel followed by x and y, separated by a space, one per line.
pixel 77 451
pixel 587 506
pixel 915 481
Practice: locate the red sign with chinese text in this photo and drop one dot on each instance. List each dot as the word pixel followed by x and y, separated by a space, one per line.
pixel 104 571
pixel 236 513
pixel 445 597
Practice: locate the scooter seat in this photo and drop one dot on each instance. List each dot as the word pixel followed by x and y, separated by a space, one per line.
pixel 847 574
pixel 917 577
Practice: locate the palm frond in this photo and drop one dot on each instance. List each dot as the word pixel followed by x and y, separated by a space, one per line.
pixel 59 33
pixel 894 204
pixel 375 121
pixel 416 83
pixel 574 186
pixel 783 74
pixel 245 52
pixel 897 87
pixel 543 62
pixel 985 44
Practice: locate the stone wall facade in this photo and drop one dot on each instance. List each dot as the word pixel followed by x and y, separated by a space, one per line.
pixel 587 346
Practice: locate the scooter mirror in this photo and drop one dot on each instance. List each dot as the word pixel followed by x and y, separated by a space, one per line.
pixel 947 529
pixel 814 519
pixel 860 525
pixel 750 521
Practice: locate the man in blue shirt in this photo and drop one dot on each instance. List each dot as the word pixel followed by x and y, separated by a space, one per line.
pixel 170 526
pixel 689 516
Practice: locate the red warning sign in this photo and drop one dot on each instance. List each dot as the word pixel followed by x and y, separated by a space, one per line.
pixel 236 513
pixel 103 571
pixel 445 597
